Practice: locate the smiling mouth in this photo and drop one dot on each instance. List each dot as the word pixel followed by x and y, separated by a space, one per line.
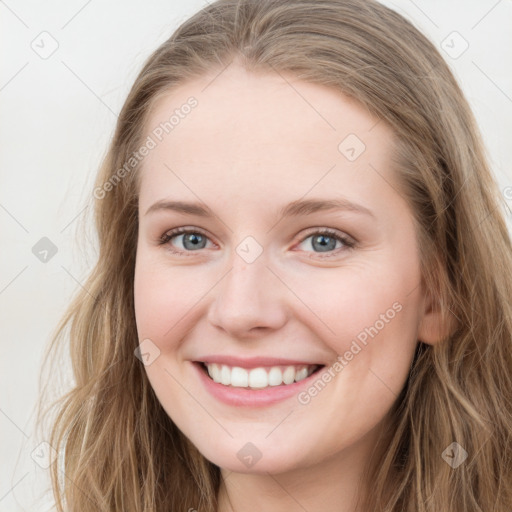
pixel 258 378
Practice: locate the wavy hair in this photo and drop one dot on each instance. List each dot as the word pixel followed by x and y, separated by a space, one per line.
pixel 118 449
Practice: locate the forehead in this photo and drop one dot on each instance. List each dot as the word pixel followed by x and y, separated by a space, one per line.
pixel 240 134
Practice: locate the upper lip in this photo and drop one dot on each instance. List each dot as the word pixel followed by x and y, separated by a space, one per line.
pixel 254 362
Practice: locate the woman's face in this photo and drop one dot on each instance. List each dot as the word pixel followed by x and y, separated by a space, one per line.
pixel 256 169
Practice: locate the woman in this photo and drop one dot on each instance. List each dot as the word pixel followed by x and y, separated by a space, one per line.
pixel 302 296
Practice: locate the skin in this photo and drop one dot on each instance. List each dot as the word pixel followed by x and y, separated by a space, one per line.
pixel 253 144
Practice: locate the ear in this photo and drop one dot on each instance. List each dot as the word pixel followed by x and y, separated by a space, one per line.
pixel 435 327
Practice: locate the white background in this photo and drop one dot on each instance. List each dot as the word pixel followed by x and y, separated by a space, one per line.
pixel 58 115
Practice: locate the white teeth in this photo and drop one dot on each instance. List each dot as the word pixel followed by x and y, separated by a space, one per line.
pixel 301 374
pixel 239 377
pixel 212 371
pixel 275 377
pixel 225 375
pixel 258 378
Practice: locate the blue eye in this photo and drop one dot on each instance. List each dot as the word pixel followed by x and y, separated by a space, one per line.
pixel 192 240
pixel 327 240
pixel 323 241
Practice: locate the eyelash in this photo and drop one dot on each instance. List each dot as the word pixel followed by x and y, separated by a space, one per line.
pixel 348 242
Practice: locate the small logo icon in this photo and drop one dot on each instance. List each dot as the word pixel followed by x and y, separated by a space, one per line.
pixel 351 147
pixel 147 352
pixel 454 45
pixel 249 455
pixel 44 455
pixel 44 250
pixel 45 45
pixel 249 249
pixel 454 455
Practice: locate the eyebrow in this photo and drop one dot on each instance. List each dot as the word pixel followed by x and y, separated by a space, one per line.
pixel 300 207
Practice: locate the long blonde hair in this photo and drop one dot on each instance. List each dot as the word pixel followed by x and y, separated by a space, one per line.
pixel 118 448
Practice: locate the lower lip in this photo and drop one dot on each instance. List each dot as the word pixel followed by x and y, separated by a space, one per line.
pixel 252 397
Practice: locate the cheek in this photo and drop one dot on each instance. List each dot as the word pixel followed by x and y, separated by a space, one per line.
pixel 370 321
pixel 369 318
pixel 361 304
pixel 164 297
pixel 164 300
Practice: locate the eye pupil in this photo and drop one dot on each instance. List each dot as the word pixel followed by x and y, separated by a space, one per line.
pixel 324 243
pixel 195 239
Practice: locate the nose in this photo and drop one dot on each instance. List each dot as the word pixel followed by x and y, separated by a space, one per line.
pixel 249 301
